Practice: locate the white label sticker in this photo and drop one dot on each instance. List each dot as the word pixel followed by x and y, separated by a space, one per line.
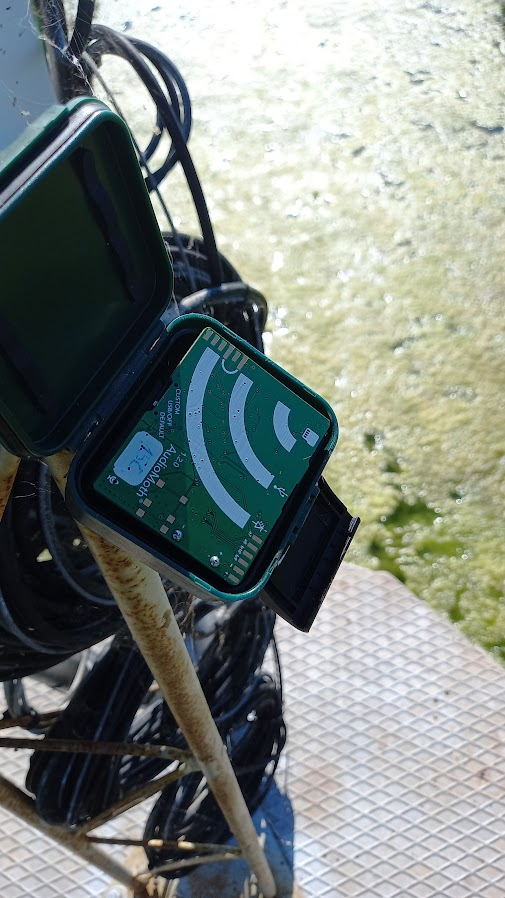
pixel 140 455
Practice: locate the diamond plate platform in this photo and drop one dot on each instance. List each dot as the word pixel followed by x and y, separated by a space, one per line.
pixel 394 768
pixel 396 749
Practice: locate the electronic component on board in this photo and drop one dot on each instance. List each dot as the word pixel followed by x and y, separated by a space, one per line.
pixel 209 468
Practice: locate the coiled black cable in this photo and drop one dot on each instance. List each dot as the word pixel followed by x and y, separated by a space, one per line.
pixel 71 788
pixel 77 61
pixel 104 39
pixel 188 809
pixel 45 617
pixel 83 576
pixel 180 105
pixel 241 308
pixel 173 109
pixel 227 645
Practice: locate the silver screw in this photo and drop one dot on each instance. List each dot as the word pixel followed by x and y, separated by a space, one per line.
pixel 177 535
pixel 214 560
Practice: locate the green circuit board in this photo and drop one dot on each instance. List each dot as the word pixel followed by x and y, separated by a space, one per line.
pixel 211 464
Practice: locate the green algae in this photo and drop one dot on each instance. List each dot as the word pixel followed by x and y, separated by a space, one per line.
pixel 354 161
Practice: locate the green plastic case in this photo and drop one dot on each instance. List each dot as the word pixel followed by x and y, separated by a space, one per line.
pixel 85 358
pixel 210 464
pixel 72 191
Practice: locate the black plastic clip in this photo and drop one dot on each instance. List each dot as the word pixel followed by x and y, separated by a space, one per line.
pixel 300 582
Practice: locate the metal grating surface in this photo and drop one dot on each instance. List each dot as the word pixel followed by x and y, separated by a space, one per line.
pixel 396 747
pixel 395 763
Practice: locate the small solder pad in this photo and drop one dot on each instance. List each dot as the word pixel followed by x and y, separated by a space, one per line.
pixel 211 465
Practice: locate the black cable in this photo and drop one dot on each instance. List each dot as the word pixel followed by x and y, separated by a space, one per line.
pixel 227 644
pixel 67 674
pixel 173 109
pixel 53 22
pixel 79 581
pixel 41 612
pixel 241 308
pixel 188 809
pixel 46 617
pixel 65 56
pixel 177 94
pixel 174 233
pixel 174 82
pixel 82 29
pixel 70 788
pixel 73 76
pixel 110 41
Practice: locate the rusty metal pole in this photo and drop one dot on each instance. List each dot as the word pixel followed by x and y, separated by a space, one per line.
pixel 14 799
pixel 144 605
pixel 8 468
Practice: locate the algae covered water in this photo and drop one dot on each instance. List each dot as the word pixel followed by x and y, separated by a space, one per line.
pixel 353 157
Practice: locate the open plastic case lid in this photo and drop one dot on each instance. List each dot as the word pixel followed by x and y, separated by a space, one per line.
pixel 84 276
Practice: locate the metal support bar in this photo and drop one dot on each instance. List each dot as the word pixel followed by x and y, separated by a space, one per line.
pixel 194 862
pixel 201 853
pixel 133 798
pixel 180 845
pixel 8 469
pixel 88 746
pixel 45 719
pixel 144 605
pixel 23 806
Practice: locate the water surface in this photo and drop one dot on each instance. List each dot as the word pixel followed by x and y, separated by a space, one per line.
pixel 353 158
